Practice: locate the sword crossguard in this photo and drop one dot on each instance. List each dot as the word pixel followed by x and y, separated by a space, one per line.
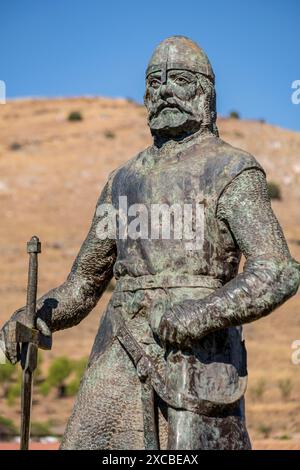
pixel 23 334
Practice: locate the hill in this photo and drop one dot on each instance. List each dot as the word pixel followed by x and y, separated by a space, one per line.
pixel 51 173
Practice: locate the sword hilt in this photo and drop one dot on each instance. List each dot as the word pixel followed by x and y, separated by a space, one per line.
pixel 33 248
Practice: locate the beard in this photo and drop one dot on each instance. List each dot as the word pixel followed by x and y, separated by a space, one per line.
pixel 169 118
pixel 172 118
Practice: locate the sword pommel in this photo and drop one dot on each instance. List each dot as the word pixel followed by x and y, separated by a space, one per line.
pixel 34 245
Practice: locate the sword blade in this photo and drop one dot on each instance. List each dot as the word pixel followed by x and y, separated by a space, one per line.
pixel 26 399
pixel 29 353
pixel 150 425
pixel 136 353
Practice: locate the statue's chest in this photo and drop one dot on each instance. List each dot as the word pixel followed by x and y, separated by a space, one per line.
pixel 176 183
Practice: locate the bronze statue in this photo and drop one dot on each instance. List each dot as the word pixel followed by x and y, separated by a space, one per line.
pixel 168 366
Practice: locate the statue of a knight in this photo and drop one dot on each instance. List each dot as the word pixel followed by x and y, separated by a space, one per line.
pixel 168 366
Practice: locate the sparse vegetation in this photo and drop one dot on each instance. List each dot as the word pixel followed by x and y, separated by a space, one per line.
pixel 109 134
pixel 130 100
pixel 73 386
pixel 38 429
pixel 285 387
pixel 11 381
pixel 274 190
pixel 44 388
pixel 238 134
pixel 59 371
pixel 14 392
pixel 265 430
pixel 41 429
pixel 64 375
pixel 285 437
pixel 7 370
pixel 234 115
pixel 14 146
pixel 258 390
pixel 75 116
pixel 7 377
pixel 7 428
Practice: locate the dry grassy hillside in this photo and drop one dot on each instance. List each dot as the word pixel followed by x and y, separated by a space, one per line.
pixel 51 173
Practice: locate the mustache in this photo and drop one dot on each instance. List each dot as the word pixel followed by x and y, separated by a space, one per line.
pixel 170 103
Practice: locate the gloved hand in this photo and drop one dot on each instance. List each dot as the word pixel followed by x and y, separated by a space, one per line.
pixel 8 343
pixel 182 324
pixel 172 329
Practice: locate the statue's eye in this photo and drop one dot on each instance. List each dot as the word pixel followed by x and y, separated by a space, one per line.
pixel 154 83
pixel 181 80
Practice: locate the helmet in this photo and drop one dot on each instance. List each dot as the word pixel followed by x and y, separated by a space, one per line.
pixel 179 52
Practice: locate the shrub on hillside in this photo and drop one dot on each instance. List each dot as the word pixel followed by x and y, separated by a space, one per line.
pixel 7 428
pixel 234 115
pixel 109 134
pixel 14 146
pixel 285 387
pixel 59 371
pixel 75 116
pixel 64 375
pixel 258 390
pixel 274 190
pixel 41 429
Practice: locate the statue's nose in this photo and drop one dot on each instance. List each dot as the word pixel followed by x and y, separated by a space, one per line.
pixel 165 90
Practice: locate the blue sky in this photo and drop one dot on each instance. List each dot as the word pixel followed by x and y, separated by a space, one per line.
pixel 94 47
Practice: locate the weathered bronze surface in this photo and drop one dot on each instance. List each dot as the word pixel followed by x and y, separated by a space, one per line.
pixel 168 367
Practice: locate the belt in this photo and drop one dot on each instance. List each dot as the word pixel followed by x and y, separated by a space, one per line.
pixel 162 280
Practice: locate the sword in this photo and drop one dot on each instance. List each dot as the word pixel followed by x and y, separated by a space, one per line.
pixel 143 365
pixel 29 348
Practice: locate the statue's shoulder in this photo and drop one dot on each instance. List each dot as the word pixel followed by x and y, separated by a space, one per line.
pixel 131 164
pixel 234 159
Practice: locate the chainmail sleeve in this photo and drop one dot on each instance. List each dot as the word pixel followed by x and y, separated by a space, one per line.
pixel 244 205
pixel 270 274
pixel 68 304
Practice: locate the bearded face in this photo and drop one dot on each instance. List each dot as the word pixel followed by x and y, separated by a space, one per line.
pixel 175 108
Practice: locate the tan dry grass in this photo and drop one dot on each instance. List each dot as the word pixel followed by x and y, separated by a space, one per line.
pixel 50 187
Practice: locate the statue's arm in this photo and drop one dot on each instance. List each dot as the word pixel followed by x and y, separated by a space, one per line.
pixel 270 275
pixel 67 304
